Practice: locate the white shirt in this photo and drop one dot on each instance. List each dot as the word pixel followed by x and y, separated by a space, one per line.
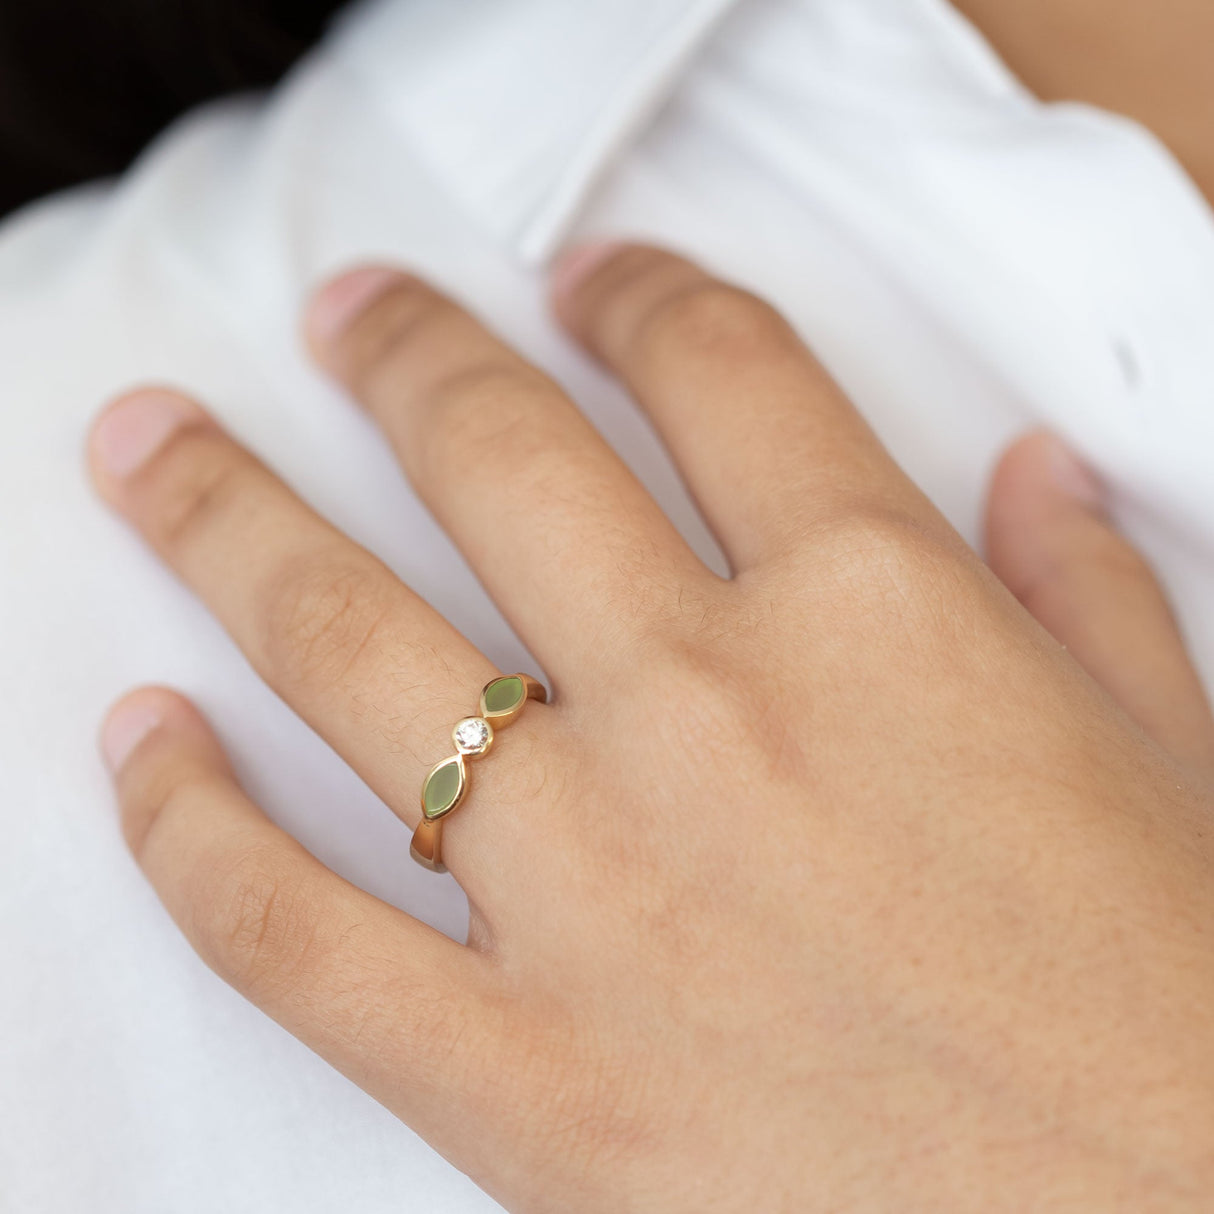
pixel 967 260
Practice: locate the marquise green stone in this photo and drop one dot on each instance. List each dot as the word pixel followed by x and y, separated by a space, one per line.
pixel 443 788
pixel 503 695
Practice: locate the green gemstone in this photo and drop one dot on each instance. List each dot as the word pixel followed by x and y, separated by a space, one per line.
pixel 443 788
pixel 504 695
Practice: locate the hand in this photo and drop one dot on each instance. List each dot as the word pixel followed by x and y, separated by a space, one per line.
pixel 835 885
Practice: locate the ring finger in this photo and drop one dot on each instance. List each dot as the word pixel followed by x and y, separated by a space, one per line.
pixel 372 668
pixel 567 541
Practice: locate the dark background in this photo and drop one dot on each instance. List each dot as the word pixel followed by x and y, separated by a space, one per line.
pixel 84 84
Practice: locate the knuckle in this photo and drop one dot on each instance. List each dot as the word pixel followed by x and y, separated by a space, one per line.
pixel 256 925
pixel 892 567
pixel 319 620
pixel 1120 561
pixel 714 319
pixel 487 412
pixel 162 793
pixel 390 330
pixel 199 481
pixel 1106 559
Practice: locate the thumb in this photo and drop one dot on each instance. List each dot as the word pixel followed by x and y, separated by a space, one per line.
pixel 1051 542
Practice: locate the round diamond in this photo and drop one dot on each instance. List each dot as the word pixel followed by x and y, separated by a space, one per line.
pixel 473 735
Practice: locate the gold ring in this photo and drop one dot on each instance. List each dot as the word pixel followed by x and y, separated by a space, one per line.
pixel 502 701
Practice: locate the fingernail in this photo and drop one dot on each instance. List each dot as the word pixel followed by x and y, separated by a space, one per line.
pixel 575 265
pixel 1074 477
pixel 136 427
pixel 338 302
pixel 126 726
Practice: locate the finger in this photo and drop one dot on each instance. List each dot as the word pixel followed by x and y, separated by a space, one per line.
pixel 1051 542
pixel 397 1006
pixel 564 537
pixel 767 442
pixel 374 669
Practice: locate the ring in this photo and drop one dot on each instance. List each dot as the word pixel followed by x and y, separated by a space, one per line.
pixel 502 702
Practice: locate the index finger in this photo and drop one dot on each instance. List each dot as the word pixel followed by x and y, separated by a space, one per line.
pixel 769 444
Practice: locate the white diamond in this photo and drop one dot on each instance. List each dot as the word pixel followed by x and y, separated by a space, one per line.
pixel 472 735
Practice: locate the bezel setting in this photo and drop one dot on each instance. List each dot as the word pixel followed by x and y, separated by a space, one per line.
pixel 473 736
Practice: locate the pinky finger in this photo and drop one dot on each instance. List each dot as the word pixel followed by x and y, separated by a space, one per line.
pixel 382 996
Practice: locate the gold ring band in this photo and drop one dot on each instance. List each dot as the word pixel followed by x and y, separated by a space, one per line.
pixel 443 790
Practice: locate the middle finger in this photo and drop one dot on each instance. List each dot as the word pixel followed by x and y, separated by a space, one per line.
pixel 567 541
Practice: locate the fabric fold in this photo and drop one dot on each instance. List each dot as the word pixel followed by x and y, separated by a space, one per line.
pixel 520 161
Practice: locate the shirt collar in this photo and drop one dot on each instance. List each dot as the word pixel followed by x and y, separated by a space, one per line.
pixel 519 106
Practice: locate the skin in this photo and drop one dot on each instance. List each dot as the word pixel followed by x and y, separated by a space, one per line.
pixel 839 884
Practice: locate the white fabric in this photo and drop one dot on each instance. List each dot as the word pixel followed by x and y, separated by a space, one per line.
pixel 966 260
